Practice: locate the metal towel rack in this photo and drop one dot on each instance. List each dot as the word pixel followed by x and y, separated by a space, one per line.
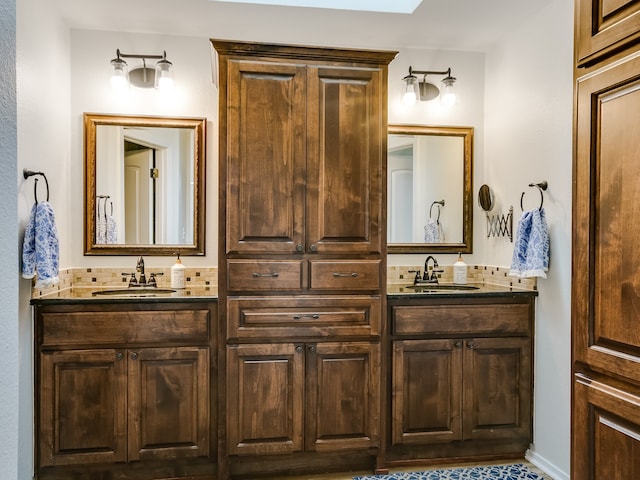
pixel 542 186
pixel 30 173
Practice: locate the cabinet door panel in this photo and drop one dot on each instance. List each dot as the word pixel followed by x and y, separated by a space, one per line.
pixel 606 302
pixel 603 26
pixel 265 161
pixel 343 389
pixel 606 431
pixel 497 388
pixel 168 403
pixel 345 157
pixel 265 395
pixel 83 408
pixel 426 391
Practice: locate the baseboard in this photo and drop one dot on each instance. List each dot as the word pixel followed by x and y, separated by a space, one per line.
pixel 547 467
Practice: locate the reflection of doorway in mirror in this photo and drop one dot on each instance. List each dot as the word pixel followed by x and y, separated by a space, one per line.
pixel 400 189
pixel 138 197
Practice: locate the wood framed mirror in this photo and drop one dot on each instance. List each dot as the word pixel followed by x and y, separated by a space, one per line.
pixel 144 185
pixel 429 189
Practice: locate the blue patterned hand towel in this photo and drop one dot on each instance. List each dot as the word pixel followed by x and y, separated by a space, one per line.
pixel 531 247
pixel 40 250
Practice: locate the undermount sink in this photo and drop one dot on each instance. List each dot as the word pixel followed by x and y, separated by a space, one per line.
pixel 435 287
pixel 135 291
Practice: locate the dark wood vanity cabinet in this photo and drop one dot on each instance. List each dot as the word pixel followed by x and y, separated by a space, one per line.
pixel 460 377
pixel 121 385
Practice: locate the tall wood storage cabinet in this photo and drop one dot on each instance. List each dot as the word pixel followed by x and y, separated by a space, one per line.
pixel 302 241
pixel 606 257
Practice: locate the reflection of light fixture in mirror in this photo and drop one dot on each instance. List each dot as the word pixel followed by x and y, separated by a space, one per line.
pixel 159 77
pixel 414 90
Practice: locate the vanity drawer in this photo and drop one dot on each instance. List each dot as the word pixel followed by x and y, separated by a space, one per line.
pixel 345 274
pixel 124 326
pixel 494 319
pixel 261 275
pixel 317 316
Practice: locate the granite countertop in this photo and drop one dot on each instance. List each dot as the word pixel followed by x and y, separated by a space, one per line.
pixel 482 290
pixel 87 295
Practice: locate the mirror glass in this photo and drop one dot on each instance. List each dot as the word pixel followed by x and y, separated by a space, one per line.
pixel 429 191
pixel 144 185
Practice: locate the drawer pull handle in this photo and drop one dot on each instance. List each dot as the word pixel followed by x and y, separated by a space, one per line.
pixel 457 344
pixel 313 248
pixel 299 248
pixel 119 356
pixel 299 349
pixel 134 356
pixel 471 345
pixel 315 316
pixel 258 275
pixel 352 274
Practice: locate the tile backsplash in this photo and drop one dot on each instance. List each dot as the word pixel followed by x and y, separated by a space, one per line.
pixel 208 277
pixel 475 274
pixel 112 277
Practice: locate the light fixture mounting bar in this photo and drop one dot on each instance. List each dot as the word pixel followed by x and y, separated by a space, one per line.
pixel 430 72
pixel 135 55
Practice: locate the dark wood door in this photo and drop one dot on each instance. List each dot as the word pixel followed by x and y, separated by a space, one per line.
pixel 497 385
pixel 168 403
pixel 606 266
pixel 346 153
pixel 605 26
pixel 265 157
pixel 265 397
pixel 83 410
pixel 343 396
pixel 426 395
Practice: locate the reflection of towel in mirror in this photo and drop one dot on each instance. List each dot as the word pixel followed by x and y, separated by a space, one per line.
pixel 40 249
pixel 101 229
pixel 531 246
pixel 432 232
pixel 111 230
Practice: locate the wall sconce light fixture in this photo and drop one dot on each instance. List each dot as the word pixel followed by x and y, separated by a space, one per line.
pixel 159 77
pixel 414 90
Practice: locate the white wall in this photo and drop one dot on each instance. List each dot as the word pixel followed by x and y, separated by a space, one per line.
pixel 43 145
pixel 195 96
pixel 10 435
pixel 529 139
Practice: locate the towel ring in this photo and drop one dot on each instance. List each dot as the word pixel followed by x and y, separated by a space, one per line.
pixel 541 186
pixel 29 173
pixel 440 203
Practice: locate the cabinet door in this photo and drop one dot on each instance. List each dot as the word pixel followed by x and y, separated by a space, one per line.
pixel 497 389
pixel 605 301
pixel 606 426
pixel 426 391
pixel 343 396
pixel 346 152
pixel 603 26
pixel 169 392
pixel 265 396
pixel 83 410
pixel 265 158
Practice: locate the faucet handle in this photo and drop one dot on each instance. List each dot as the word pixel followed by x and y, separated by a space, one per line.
pixel 132 281
pixel 418 276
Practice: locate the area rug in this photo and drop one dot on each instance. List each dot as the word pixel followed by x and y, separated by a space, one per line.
pixel 516 471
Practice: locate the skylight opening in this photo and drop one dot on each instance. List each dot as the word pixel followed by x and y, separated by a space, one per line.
pixel 386 6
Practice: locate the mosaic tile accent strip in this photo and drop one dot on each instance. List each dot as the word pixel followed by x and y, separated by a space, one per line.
pixel 516 471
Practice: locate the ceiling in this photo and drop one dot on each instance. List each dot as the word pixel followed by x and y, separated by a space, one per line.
pixel 468 25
